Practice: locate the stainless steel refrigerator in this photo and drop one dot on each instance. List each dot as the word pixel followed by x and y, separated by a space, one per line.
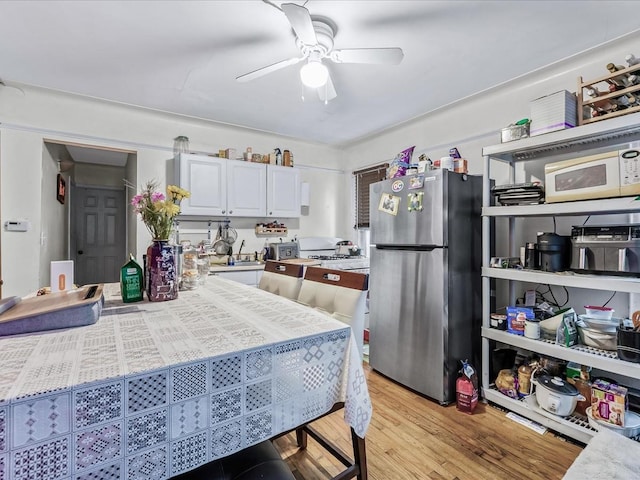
pixel 425 285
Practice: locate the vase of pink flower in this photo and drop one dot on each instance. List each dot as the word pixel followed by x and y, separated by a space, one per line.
pixel 158 212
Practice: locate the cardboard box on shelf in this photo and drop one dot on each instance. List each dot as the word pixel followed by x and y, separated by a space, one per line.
pixel 230 153
pixel 460 165
pixel 608 402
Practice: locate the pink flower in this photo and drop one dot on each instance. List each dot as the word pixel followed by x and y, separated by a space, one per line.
pixel 157 197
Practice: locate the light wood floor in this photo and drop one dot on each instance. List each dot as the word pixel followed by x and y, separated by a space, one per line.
pixel 411 437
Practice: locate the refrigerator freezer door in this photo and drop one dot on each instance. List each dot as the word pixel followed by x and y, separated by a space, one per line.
pixel 425 227
pixel 408 326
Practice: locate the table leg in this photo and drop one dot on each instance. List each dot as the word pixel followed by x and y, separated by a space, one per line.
pixel 301 437
pixel 359 455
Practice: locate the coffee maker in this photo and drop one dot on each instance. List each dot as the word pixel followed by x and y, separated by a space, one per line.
pixel 554 252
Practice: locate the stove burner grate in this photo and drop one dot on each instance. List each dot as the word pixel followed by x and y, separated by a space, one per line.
pixel 333 257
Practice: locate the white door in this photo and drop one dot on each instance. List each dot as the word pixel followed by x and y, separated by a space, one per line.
pixel 206 179
pixel 283 192
pixel 98 217
pixel 246 189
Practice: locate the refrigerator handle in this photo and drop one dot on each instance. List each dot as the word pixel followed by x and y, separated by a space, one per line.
pixel 411 248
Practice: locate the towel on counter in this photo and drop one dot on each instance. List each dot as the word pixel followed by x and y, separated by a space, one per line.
pixel 609 456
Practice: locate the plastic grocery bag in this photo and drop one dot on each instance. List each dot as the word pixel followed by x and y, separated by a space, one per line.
pixel 467 389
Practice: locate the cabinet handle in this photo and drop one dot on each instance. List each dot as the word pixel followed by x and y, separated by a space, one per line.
pixel 223 211
pixel 622 260
pixel 230 212
pixel 583 259
pixel 270 213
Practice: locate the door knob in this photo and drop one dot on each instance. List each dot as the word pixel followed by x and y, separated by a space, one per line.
pixel 80 252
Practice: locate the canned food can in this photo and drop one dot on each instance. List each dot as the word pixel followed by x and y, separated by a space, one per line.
pixel 532 328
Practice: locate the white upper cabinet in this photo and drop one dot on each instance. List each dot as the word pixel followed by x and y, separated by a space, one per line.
pixel 283 192
pixel 206 179
pixel 246 189
pixel 232 188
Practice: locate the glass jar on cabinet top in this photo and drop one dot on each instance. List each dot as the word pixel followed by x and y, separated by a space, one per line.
pixel 180 145
pixel 190 274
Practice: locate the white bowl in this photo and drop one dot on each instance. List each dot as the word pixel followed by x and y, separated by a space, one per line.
pixel 631 420
pixel 604 313
pixel 603 340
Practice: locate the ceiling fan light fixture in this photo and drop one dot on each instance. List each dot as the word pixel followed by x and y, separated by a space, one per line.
pixel 314 74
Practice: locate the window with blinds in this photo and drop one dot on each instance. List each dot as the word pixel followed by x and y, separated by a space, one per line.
pixel 364 178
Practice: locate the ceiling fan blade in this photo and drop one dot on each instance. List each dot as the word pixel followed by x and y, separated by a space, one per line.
pixel 327 91
pixel 389 56
pixel 268 69
pixel 300 20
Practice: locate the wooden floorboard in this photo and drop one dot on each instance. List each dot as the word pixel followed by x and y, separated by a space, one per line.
pixel 413 438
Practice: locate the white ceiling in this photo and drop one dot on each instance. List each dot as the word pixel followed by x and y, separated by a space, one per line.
pixel 184 56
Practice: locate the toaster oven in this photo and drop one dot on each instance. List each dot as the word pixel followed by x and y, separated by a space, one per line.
pixel 284 250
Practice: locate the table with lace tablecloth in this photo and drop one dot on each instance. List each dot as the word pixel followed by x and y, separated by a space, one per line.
pixel 155 389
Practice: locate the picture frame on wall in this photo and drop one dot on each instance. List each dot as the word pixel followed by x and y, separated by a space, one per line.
pixel 61 190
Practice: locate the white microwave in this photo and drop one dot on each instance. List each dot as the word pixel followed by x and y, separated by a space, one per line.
pixel 606 175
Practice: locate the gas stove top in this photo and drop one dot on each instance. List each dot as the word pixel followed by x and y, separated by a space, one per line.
pixel 343 262
pixel 334 257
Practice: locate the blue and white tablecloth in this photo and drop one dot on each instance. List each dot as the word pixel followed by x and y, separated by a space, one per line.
pixel 155 389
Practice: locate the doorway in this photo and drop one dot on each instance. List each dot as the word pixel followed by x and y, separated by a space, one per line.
pixel 93 230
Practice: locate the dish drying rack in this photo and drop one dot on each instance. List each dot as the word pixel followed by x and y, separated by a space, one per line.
pixel 206 247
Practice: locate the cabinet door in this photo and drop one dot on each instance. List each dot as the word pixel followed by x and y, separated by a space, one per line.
pixel 246 189
pixel 283 192
pixel 206 179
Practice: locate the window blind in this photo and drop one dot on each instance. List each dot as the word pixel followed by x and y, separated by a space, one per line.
pixel 364 178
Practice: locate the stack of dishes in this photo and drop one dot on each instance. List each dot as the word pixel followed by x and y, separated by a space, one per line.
pixel 598 328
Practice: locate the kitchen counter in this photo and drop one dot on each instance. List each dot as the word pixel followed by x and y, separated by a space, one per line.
pixel 234 268
pixel 237 268
pixel 307 262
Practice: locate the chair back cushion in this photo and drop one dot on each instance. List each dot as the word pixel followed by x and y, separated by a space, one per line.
pixel 282 279
pixel 341 294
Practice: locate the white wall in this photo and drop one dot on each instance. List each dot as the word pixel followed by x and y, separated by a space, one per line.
pixel 475 122
pixel 27 121
pixel 54 222
pixel 87 174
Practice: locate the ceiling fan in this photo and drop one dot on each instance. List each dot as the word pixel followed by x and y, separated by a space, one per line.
pixel 315 41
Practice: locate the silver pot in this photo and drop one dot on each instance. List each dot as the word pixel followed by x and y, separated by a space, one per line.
pixel 555 395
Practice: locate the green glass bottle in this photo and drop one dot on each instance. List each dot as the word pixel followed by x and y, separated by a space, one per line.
pixel 131 284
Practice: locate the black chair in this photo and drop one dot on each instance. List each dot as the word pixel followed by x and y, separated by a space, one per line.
pixel 258 462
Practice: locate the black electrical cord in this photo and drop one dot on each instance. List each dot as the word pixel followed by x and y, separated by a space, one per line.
pixel 586 220
pixel 553 302
pixel 610 298
pixel 554 224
